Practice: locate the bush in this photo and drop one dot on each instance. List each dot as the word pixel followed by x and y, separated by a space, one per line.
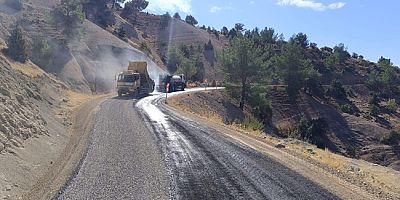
pixel 347 109
pixel 261 107
pixel 42 53
pixel 311 131
pixel 251 123
pixel 121 33
pixel 392 105
pixel 374 110
pixel 17 45
pixel 374 99
pixel 15 4
pixel 392 138
pixel 144 48
pixel 336 90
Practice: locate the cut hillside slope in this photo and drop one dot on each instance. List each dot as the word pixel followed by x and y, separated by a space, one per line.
pixel 178 32
pixel 32 125
pixel 86 65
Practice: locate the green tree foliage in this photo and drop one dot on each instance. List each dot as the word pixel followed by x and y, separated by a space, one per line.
pixel 241 63
pixel 177 16
pixel 187 67
pixel 17 45
pixel 300 39
pixel 191 20
pixel 312 130
pixel 182 59
pixel 337 90
pixel 224 31
pixel 232 33
pixel 133 7
pixel 239 27
pixel 374 99
pixel 121 33
pixel 42 53
pixel 384 62
pixel 174 59
pixel 374 81
pixel 261 107
pixel 268 36
pixel 392 105
pixel 294 69
pixel 374 110
pixel 252 124
pixel 339 56
pixel 384 80
pixel 145 48
pixel 391 138
pixel 99 12
pixel 69 17
pixel 341 53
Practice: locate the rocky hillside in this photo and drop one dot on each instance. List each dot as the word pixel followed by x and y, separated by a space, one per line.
pixel 88 64
pixel 150 31
pixel 25 101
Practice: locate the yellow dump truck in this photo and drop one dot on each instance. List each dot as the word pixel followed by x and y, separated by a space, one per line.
pixel 135 80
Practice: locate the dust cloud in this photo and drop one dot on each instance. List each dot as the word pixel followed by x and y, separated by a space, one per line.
pixel 109 61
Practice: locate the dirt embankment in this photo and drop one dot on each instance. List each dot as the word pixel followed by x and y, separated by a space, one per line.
pixel 375 179
pixel 35 115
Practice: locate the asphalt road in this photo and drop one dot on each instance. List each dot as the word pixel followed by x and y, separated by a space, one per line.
pixel 145 151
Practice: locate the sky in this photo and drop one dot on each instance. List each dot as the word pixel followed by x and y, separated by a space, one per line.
pixel 368 27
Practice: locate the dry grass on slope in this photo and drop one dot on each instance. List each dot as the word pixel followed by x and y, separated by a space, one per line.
pixel 377 180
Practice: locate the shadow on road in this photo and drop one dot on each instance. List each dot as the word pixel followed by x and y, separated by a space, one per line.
pixel 130 97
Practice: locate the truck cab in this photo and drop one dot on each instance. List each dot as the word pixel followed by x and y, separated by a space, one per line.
pixel 128 83
pixel 135 80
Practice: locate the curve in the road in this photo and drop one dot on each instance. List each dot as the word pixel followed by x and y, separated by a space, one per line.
pixel 205 164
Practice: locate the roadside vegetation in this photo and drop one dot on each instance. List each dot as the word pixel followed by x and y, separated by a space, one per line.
pixel 256 60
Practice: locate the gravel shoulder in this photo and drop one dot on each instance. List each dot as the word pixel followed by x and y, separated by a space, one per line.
pixel 68 160
pixel 122 160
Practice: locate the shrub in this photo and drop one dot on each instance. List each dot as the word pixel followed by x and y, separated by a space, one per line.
pixel 143 47
pixel 374 99
pixel 391 138
pixel 311 131
pixel 392 105
pixel 374 110
pixel 121 33
pixel 42 53
pixel 261 107
pixel 251 123
pixel 17 45
pixel 336 90
pixel 347 109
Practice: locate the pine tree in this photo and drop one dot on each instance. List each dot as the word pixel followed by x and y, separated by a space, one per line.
pixel 17 45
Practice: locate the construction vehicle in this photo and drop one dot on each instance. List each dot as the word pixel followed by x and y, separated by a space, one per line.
pixel 173 82
pixel 135 80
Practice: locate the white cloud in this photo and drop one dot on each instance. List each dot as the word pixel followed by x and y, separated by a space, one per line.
pixel 311 4
pixel 216 9
pixel 252 2
pixel 171 6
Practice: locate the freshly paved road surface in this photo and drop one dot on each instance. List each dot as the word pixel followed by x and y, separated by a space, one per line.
pixel 176 158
